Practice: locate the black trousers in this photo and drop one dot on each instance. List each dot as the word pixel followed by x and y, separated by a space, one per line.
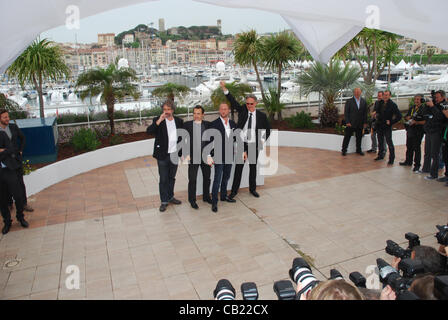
pixel 414 147
pixel 192 178
pixel 10 184
pixel 445 156
pixel 252 175
pixel 433 142
pixel 22 186
pixel 385 133
pixel 348 134
pixel 167 176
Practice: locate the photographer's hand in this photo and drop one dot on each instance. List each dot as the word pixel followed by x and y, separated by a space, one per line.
pixel 443 250
pixel 388 294
pixel 445 112
pixel 395 262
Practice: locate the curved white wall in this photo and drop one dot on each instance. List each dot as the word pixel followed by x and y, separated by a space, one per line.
pixel 62 170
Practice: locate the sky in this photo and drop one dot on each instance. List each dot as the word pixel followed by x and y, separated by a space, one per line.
pixel 187 13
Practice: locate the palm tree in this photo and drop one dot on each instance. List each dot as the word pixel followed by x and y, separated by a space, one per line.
pixel 278 51
pixel 238 90
pixel 40 62
pixel 248 52
pixel 112 83
pixel 329 80
pixel 430 53
pixel 170 91
pixel 14 110
pixel 390 51
pixel 272 104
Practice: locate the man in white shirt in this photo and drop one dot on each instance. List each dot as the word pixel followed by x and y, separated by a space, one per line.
pixel 165 150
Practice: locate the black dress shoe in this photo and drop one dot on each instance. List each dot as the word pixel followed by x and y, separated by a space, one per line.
pixel 6 228
pixel 228 199
pixel 371 151
pixel 344 153
pixel 163 207
pixel 390 163
pixel 23 223
pixel 214 208
pixel 360 153
pixel 194 205
pixel 379 158
pixel 175 201
pixel 255 194
pixel 232 195
pixel 405 164
pixel 207 200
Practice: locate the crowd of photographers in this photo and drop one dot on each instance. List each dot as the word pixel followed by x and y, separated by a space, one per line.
pixel 427 118
pixel 416 273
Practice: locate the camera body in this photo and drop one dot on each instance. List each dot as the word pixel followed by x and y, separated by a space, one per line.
pixel 442 235
pixel 395 250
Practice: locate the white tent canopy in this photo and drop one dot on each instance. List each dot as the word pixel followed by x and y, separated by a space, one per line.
pixel 324 26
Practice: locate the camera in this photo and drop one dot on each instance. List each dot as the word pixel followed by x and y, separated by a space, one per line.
pixel 249 291
pixel 224 290
pixel 358 279
pixel 395 250
pixel 414 240
pixel 441 287
pixel 442 235
pixel 284 290
pixel 411 267
pixel 390 276
pixel 444 105
pixel 335 275
pixel 301 273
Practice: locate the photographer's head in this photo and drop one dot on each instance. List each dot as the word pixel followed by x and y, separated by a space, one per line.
pixel 224 110
pixel 430 257
pixel 335 290
pixel 418 100
pixel 168 109
pixel 380 95
pixel 423 287
pixel 4 117
pixel 440 96
pixel 251 102
pixel 198 113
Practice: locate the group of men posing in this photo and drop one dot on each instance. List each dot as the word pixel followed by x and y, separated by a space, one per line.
pixel 218 144
pixel 424 118
pixel 12 186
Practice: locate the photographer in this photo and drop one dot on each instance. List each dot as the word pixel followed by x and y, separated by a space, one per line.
pixel 430 257
pixel 435 123
pixel 414 133
pixel 445 141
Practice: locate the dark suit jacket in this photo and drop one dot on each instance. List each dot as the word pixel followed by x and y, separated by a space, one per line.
pixel 262 122
pixel 387 111
pixel 9 156
pixel 162 139
pixel 218 125
pixel 189 127
pixel 356 117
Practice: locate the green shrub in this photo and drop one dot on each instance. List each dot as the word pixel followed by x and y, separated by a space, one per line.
pixel 340 129
pixel 301 120
pixel 85 140
pixel 116 139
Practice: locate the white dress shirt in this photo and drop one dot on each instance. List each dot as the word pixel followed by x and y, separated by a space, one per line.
pixel 172 135
pixel 253 132
pixel 227 127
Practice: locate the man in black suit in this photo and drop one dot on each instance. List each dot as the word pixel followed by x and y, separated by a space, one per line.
pixel 165 151
pixel 18 141
pixel 9 180
pixel 222 154
pixel 193 154
pixel 355 121
pixel 252 122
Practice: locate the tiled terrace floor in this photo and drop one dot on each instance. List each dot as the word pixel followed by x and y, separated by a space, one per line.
pixel 339 211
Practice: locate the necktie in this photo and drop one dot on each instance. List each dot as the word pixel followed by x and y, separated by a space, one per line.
pixel 249 128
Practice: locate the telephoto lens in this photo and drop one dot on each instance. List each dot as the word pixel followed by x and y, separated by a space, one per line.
pixel 411 267
pixel 335 275
pixel 442 235
pixel 414 240
pixel 390 276
pixel 395 250
pixel 441 287
pixel 358 279
pixel 249 291
pixel 224 290
pixel 284 290
pixel 301 273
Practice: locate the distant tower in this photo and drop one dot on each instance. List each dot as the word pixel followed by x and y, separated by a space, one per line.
pixel 220 25
pixel 162 25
